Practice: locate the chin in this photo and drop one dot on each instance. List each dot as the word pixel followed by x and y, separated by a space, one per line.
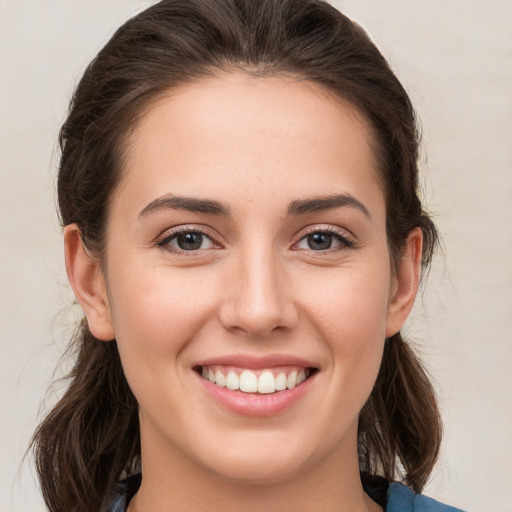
pixel 257 471
pixel 260 462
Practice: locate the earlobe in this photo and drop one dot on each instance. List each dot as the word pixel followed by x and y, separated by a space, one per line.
pixel 405 283
pixel 87 280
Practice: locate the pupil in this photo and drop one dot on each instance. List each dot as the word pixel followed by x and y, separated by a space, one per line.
pixel 319 241
pixel 190 241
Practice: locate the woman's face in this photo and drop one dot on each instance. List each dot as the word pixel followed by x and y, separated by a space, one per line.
pixel 246 244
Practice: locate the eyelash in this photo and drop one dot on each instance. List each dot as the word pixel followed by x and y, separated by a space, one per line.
pixel 341 236
pixel 165 241
pixel 345 242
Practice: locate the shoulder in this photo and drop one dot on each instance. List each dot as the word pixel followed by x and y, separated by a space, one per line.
pixel 402 499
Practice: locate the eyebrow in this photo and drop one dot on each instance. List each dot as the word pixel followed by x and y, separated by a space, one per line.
pixel 316 204
pixel 189 204
pixel 297 207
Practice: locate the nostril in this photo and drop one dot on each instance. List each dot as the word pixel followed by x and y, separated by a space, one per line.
pixel 258 308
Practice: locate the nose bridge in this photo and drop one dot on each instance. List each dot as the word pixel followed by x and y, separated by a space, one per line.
pixel 258 302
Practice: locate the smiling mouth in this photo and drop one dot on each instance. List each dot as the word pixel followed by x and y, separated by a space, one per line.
pixel 264 381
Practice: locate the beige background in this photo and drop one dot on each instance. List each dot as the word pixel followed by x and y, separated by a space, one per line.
pixel 455 59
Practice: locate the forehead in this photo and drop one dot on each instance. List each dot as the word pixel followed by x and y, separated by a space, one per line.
pixel 242 130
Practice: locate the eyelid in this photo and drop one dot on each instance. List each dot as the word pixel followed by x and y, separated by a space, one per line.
pixel 163 240
pixel 345 237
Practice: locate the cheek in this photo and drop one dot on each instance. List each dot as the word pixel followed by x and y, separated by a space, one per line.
pixel 351 301
pixel 349 310
pixel 156 314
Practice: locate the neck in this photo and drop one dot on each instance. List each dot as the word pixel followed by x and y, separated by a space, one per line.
pixel 172 481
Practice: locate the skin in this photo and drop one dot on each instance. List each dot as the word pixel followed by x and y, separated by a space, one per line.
pixel 255 287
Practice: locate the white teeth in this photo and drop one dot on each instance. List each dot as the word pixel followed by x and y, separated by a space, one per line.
pixel 266 382
pixel 281 381
pixel 291 381
pixel 220 380
pixel 248 382
pixel 232 381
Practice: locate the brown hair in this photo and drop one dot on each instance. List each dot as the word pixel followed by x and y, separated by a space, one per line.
pixel 91 438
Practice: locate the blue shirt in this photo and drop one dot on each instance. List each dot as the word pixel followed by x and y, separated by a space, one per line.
pixel 399 499
pixel 403 499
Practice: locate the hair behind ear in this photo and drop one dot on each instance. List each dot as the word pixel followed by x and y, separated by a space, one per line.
pixel 400 425
pixel 84 443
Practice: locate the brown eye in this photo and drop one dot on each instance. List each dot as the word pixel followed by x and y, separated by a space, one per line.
pixel 319 241
pixel 325 240
pixel 187 241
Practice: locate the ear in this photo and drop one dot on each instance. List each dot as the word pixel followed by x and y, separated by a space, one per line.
pixel 86 279
pixel 405 282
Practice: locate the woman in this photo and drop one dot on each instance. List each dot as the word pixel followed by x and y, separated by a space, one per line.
pixel 238 189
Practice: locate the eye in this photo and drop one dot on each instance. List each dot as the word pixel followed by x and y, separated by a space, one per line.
pixel 187 241
pixel 324 240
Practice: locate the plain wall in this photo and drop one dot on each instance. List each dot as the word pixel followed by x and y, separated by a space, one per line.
pixel 454 58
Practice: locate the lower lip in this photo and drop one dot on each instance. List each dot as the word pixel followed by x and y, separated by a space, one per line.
pixel 252 404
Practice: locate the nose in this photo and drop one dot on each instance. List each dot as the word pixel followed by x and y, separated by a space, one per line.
pixel 258 298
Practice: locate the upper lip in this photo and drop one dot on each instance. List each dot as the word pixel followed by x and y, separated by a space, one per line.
pixel 256 362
